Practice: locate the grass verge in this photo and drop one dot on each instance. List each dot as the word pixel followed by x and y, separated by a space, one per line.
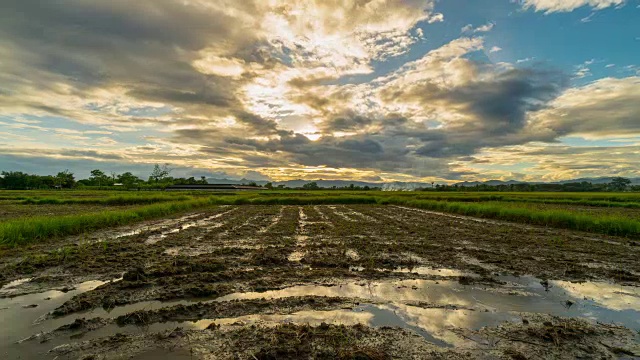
pixel 113 200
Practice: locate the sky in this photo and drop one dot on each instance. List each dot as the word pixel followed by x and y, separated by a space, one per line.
pixel 372 90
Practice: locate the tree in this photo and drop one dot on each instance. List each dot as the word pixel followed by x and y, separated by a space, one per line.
pixel 97 173
pixel 619 183
pixel 128 179
pixel 99 177
pixel 14 180
pixel 65 179
pixel 160 173
pixel 268 185
pixel 311 186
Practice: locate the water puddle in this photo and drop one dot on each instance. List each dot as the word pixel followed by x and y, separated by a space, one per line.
pixel 607 303
pixel 153 227
pixel 7 289
pixel 432 309
pixel 301 239
pixel 302 220
pixel 426 270
pixel 23 316
pixel 342 214
pixel 365 217
pixel 432 324
pixel 299 253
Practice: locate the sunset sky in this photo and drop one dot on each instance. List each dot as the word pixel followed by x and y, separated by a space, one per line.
pixel 375 90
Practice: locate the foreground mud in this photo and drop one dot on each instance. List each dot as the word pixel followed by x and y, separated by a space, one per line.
pixel 350 282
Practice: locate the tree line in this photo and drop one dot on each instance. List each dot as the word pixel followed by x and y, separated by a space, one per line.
pixel 159 178
pixel 616 184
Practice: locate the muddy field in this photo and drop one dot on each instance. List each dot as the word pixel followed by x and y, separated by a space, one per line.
pixel 329 282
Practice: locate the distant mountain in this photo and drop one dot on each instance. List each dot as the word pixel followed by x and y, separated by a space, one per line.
pixel 298 183
pixel 598 180
pixel 491 183
pixel 234 182
pixel 328 183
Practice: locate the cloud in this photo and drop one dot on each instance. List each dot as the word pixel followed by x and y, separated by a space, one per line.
pixel 284 88
pixel 469 29
pixel 550 6
pixel 559 162
pixel 347 122
pixel 604 107
pixel 438 17
pixel 485 28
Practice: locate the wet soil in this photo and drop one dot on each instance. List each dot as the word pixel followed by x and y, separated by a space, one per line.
pixel 289 282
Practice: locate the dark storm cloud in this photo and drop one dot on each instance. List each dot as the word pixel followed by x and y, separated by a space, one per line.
pixel 71 153
pixel 365 146
pixel 347 152
pixel 262 125
pixel 183 97
pixel 496 110
pixel 91 154
pixel 501 104
pixel 146 47
pixel 80 23
pixel 347 122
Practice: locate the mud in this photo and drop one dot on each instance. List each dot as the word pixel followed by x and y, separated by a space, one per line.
pixel 352 282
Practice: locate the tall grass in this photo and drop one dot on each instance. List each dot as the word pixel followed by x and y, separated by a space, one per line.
pixel 583 202
pixel 23 231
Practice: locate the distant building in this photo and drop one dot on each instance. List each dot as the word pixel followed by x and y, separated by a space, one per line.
pixel 212 187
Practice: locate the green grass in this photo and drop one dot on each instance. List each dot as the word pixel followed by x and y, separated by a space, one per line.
pixel 583 202
pixel 23 231
pixel 112 200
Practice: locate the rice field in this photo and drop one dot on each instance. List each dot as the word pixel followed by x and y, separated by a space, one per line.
pixel 26 219
pixel 322 274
